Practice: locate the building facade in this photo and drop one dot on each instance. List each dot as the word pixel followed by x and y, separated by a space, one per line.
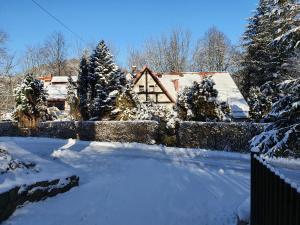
pixel 164 88
pixel 56 87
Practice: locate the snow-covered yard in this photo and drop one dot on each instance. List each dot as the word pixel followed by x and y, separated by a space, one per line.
pixel 137 184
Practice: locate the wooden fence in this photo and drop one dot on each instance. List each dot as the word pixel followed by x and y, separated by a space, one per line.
pixel 274 201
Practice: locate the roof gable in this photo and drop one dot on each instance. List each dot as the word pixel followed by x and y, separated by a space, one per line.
pixel 156 80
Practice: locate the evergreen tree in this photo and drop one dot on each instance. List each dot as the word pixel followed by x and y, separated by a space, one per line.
pixel 30 97
pixel 261 99
pixel 106 82
pixel 82 87
pixel 199 102
pixel 287 24
pixel 260 104
pixel 287 31
pixel 259 61
pixel 100 82
pixel 271 42
pixel 282 136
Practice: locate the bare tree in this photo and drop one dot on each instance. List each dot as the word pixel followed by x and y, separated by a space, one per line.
pixel 3 39
pixel 178 50
pixel 7 81
pixel 55 47
pixel 213 52
pixel 35 61
pixel 6 59
pixel 136 59
pixel 167 53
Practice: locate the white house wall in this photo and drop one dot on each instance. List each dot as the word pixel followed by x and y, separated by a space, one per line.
pixel 161 96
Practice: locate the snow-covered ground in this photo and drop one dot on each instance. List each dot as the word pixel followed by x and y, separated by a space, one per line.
pixel 137 184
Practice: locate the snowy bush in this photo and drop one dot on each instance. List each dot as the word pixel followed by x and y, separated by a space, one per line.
pixel 8 163
pixel 151 111
pixel 167 119
pixel 282 136
pixel 30 97
pixel 199 103
pixel 260 100
pixel 58 115
pixel 72 99
pixel 126 104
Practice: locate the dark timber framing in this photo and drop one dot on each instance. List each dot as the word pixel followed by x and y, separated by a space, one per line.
pixel 147 72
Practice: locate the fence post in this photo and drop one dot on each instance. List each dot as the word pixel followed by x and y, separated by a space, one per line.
pixel 254 189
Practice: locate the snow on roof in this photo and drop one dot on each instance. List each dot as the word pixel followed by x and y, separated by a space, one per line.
pixel 228 90
pixel 62 79
pixel 57 92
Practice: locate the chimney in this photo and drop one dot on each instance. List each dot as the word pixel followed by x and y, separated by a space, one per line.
pixel 133 69
pixel 176 84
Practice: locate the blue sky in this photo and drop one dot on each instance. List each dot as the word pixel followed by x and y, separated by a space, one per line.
pixel 124 23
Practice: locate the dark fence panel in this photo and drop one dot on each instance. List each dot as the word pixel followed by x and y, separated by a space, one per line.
pixel 273 200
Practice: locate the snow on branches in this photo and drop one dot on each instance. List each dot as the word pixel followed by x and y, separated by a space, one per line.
pixel 72 98
pixel 199 102
pixel 282 136
pixel 100 83
pixel 30 97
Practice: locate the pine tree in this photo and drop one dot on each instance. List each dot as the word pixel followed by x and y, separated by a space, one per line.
pixel 72 98
pixel 260 60
pixel 105 81
pixel 282 136
pixel 287 31
pixel 30 97
pixel 287 23
pixel 272 51
pixel 260 104
pixel 82 87
pixel 199 102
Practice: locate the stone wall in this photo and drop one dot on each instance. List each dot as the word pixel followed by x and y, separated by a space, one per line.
pixel 218 136
pixel 17 196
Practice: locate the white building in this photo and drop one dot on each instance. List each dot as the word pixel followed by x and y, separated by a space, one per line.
pixel 56 87
pixel 163 88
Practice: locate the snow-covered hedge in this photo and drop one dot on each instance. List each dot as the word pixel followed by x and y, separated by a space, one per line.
pixel 111 131
pixel 216 135
pixel 116 131
pixel 9 129
pixel 209 135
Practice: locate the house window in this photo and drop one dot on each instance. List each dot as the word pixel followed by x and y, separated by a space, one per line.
pixel 141 88
pixel 151 88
